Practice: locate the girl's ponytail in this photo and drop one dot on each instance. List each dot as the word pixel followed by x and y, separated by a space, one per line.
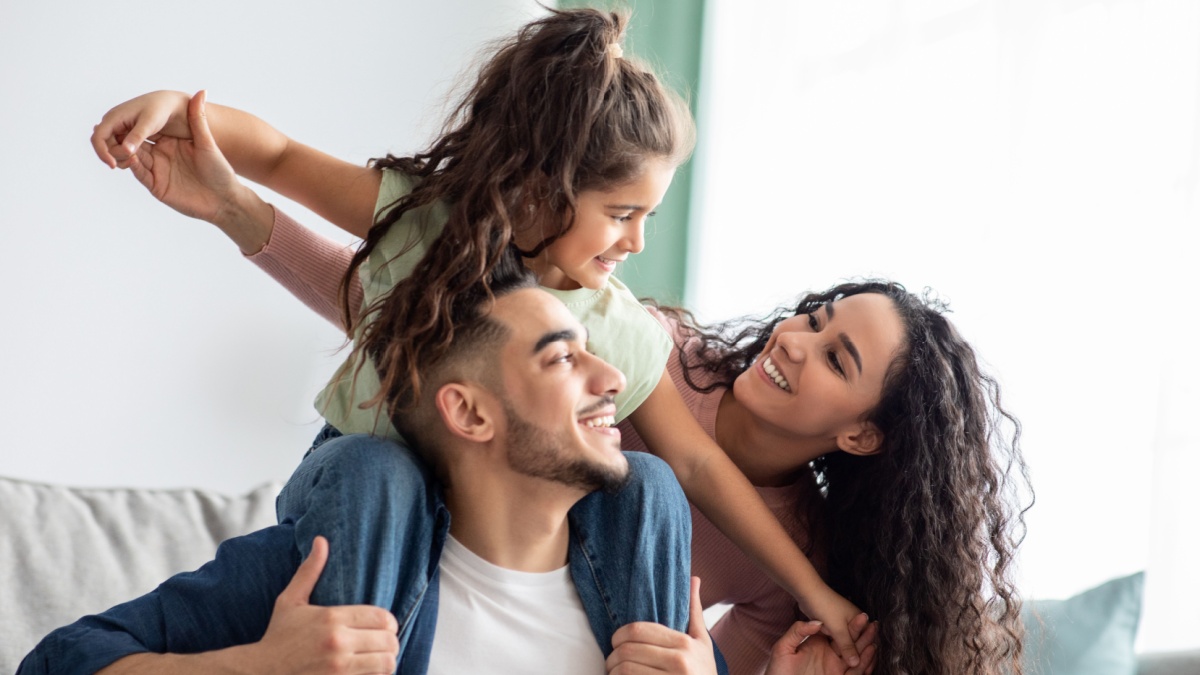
pixel 555 110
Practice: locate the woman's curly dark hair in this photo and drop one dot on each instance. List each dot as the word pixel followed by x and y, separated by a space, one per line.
pixel 556 110
pixel 922 534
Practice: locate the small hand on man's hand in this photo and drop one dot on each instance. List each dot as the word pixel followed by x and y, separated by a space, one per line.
pixel 804 650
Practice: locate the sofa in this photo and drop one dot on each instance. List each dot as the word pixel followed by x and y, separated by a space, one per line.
pixel 66 552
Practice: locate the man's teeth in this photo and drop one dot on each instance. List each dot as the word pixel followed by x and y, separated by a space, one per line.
pixel 780 380
pixel 603 421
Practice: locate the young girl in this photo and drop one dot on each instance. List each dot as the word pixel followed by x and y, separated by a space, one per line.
pixel 562 149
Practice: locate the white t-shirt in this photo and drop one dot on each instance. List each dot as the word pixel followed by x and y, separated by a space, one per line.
pixel 496 620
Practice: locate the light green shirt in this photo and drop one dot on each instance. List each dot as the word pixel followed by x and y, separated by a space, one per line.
pixel 621 331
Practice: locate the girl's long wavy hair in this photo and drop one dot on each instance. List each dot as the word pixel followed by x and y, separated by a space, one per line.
pixel 922 534
pixel 554 111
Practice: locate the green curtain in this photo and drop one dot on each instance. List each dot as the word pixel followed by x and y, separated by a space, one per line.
pixel 667 35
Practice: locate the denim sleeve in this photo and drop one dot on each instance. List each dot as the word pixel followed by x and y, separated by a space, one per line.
pixel 226 602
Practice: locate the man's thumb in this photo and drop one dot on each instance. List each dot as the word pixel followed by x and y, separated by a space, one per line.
pixel 697 628
pixel 300 588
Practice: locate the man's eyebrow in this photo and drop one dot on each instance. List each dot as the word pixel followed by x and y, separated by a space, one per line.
pixel 566 335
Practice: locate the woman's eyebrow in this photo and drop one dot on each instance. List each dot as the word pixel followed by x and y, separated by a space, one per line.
pixel 846 342
pixel 853 351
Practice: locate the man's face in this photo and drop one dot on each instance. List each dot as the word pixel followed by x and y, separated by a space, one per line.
pixel 558 397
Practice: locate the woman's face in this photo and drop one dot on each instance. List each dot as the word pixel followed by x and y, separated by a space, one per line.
pixel 821 372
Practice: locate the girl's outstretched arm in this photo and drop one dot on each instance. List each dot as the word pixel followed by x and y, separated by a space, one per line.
pixel 341 192
pixel 721 491
pixel 194 178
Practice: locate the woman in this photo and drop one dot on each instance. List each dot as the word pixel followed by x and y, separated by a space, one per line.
pixel 864 419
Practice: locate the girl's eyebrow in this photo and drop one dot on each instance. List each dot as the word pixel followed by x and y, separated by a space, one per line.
pixel 626 207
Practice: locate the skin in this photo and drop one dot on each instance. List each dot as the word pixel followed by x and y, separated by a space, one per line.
pixel 609 227
pixel 771 433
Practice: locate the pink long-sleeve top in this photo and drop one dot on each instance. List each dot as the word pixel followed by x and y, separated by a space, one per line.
pixel 311 267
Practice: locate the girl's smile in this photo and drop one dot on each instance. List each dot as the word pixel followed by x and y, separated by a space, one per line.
pixel 609 227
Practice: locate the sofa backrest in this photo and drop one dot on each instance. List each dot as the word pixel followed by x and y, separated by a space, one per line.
pixel 67 552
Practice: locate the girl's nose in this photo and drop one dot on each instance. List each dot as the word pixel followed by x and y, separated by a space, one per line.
pixel 635 235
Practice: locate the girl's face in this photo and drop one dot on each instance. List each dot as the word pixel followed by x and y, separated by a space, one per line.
pixel 609 227
pixel 821 372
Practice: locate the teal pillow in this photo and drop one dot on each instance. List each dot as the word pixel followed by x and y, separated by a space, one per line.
pixel 1087 634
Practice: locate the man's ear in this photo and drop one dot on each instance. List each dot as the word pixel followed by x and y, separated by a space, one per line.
pixel 465 410
pixel 863 439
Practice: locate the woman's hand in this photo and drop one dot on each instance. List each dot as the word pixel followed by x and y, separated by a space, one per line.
pixel 646 647
pixel 804 651
pixel 148 117
pixel 193 177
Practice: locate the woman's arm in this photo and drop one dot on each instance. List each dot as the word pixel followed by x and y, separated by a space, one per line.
pixel 723 494
pixel 194 178
pixel 338 191
pixel 311 267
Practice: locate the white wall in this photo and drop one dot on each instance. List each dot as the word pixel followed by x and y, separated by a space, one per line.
pixel 1036 162
pixel 137 347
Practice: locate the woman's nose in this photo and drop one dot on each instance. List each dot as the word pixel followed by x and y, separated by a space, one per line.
pixel 794 345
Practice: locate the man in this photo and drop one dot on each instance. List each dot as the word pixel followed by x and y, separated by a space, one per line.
pixel 516 422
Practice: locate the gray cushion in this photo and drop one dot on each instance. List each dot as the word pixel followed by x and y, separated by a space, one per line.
pixel 67 552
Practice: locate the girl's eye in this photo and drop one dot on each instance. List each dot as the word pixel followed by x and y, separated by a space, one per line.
pixel 812 323
pixel 623 219
pixel 837 365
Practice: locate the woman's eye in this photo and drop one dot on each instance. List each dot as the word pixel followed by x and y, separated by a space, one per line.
pixel 837 365
pixel 812 323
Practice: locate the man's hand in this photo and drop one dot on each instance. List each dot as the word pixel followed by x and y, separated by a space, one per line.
pixel 304 638
pixel 301 638
pixel 804 651
pixel 646 647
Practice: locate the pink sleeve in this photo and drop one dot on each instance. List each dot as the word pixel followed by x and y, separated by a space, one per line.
pixel 310 266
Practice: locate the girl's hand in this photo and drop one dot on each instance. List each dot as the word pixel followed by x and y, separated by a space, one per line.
pixel 651 647
pixel 148 117
pixel 803 651
pixel 193 177
pixel 842 621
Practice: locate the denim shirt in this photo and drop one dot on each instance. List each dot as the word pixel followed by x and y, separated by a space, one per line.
pixel 628 557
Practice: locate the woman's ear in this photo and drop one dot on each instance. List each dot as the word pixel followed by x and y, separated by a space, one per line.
pixel 465 410
pixel 863 439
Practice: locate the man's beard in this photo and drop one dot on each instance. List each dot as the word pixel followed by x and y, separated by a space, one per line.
pixel 538 453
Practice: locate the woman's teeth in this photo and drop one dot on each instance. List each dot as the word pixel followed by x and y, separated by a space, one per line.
pixel 604 421
pixel 780 380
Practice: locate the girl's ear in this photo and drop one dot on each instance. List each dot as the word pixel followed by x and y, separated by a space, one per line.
pixel 466 411
pixel 863 439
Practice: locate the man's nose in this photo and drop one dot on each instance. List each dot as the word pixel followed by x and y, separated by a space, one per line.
pixel 604 379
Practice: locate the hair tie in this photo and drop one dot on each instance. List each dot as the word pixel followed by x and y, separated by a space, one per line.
pixel 615 51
